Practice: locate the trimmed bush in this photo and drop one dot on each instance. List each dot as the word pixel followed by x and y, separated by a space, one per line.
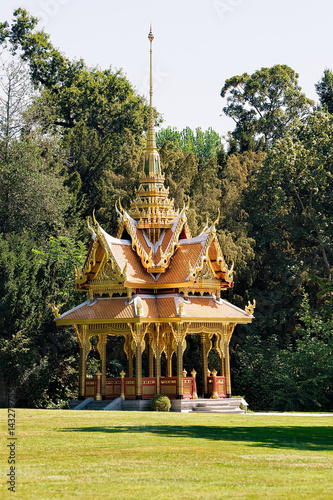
pixel 160 403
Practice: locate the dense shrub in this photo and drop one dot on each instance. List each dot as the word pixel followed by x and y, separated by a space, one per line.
pixel 160 403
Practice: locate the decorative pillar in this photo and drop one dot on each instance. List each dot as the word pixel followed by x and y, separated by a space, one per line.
pixel 227 369
pixel 222 369
pixel 138 371
pixel 82 373
pixel 220 347
pixel 157 344
pixel 214 390
pixel 101 348
pixel 169 366
pixel 228 330
pixel 98 391
pixel 179 370
pixel 169 350
pixel 195 394
pixel 179 338
pixel 85 347
pixel 130 365
pixel 140 346
pixel 122 389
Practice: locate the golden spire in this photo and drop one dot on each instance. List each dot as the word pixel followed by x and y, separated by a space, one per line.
pixel 152 166
pixel 151 142
pixel 152 208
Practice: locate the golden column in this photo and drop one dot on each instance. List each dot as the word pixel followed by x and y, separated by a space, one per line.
pixel 228 329
pixel 138 359
pixel 150 356
pixel 85 347
pixel 179 339
pixel 130 364
pixel 227 369
pixel 169 350
pixel 222 368
pixel 158 359
pixel 101 348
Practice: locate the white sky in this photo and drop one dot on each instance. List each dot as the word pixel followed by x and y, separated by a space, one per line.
pixel 198 45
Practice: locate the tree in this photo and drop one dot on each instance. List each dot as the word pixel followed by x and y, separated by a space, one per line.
pixel 298 377
pixel 324 90
pixel 16 94
pixel 263 105
pixel 298 188
pixel 32 192
pixel 204 144
pixel 97 113
pixel 289 206
pixel 37 360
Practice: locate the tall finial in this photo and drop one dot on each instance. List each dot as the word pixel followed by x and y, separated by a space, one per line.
pixel 151 38
pixel 151 142
pixel 152 208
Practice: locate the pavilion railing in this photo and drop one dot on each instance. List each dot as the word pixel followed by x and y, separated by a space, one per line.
pixel 168 387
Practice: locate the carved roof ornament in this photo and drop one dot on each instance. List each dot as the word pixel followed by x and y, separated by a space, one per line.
pixel 250 307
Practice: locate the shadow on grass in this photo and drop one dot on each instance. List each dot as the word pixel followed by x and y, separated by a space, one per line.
pixel 300 438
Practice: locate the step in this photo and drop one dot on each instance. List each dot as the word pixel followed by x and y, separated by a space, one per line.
pixel 226 411
pixel 136 405
pixel 72 404
pixel 96 405
pixel 213 409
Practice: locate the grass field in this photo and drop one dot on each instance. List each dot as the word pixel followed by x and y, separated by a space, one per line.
pixel 139 455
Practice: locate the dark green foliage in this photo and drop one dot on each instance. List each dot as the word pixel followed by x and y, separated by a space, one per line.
pixel 296 378
pixel 36 358
pixel 263 105
pixel 160 403
pixel 32 192
pixel 324 90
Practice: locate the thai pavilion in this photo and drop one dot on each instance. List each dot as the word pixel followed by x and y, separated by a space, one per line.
pixel 154 284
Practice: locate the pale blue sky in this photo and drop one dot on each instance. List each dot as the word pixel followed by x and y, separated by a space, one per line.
pixel 198 45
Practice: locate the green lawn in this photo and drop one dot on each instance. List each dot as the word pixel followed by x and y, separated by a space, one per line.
pixel 139 455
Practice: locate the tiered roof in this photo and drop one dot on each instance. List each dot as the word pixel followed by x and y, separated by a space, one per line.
pixel 153 269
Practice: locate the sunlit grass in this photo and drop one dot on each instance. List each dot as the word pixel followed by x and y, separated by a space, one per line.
pixel 139 455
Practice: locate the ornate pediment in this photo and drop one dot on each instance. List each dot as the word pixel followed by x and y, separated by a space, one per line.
pixel 211 264
pixel 206 273
pixel 110 273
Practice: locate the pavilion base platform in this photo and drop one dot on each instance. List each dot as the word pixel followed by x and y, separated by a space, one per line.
pixel 201 405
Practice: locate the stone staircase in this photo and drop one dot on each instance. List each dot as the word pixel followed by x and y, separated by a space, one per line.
pixel 129 405
pixel 223 405
pixel 230 405
pixel 133 405
pixel 97 405
pixel 92 405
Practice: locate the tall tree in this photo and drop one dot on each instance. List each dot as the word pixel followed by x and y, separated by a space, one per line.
pixel 264 104
pixel 32 192
pixel 94 111
pixel 16 94
pixel 324 90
